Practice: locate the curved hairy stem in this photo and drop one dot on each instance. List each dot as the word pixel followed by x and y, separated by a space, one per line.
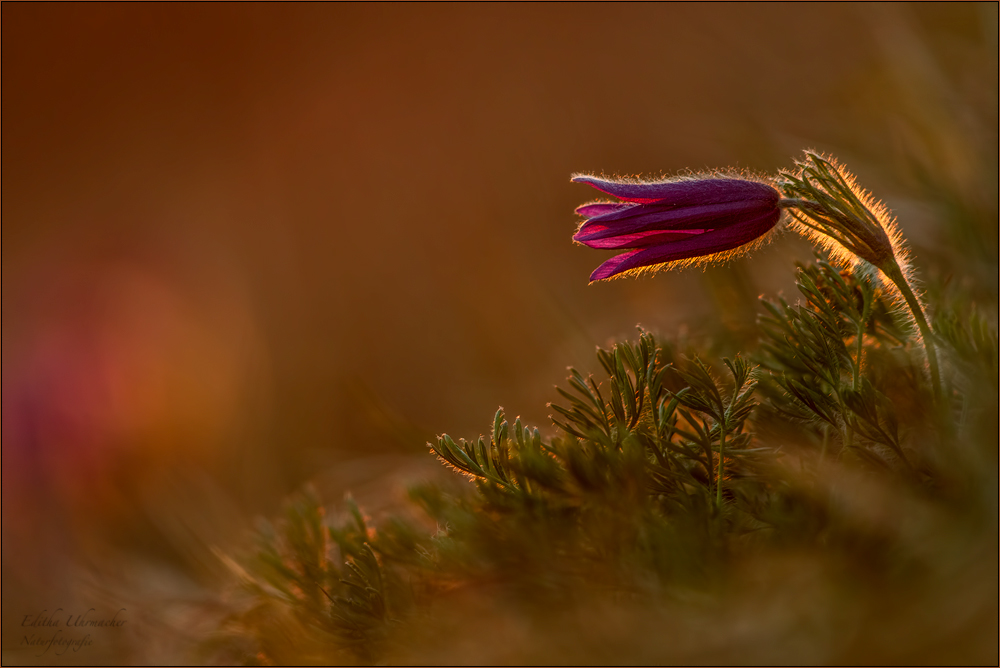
pixel 866 311
pixel 722 454
pixel 895 275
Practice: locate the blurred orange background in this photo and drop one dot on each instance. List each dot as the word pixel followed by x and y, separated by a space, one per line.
pixel 250 246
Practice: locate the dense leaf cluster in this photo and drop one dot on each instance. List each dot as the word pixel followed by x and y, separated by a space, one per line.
pixel 663 475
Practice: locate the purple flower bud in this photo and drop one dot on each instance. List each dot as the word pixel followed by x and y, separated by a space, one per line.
pixel 676 220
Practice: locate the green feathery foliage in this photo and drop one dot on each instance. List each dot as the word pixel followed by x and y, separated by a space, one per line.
pixel 664 475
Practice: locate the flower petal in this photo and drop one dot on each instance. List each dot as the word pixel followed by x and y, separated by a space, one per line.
pixel 684 193
pixel 601 208
pixel 642 239
pixel 712 216
pixel 713 241
pixel 613 266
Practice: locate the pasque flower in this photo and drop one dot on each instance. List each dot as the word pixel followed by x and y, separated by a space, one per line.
pixel 691 220
pixel 674 220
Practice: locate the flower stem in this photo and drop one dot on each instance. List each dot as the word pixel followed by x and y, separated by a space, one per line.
pixel 718 479
pixel 804 204
pixel 865 312
pixel 896 276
